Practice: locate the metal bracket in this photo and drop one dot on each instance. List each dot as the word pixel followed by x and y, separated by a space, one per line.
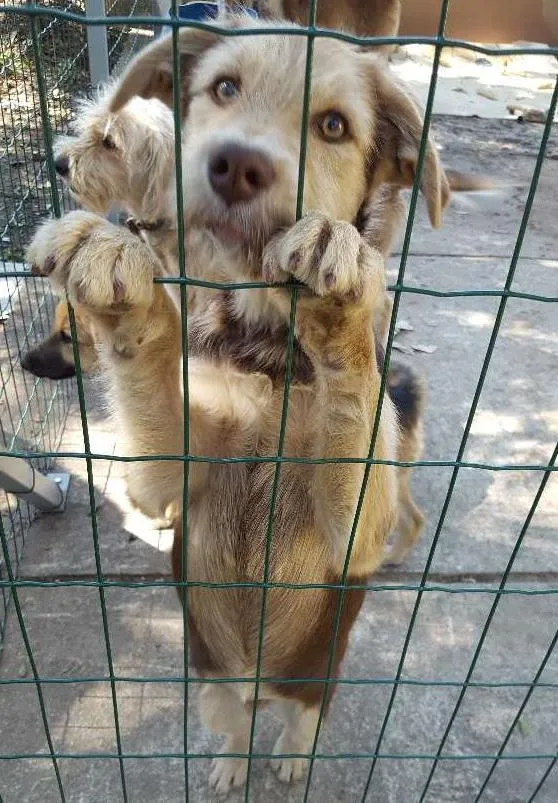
pixel 45 492
pixel 63 481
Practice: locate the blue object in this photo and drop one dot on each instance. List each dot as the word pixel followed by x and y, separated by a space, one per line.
pixel 203 11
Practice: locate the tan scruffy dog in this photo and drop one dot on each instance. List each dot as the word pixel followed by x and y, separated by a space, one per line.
pixel 124 158
pixel 242 123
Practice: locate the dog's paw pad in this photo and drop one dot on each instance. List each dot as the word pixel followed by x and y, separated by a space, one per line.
pixel 227 774
pixel 289 769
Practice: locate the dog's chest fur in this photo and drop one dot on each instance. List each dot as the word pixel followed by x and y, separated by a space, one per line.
pixel 230 521
pixel 222 333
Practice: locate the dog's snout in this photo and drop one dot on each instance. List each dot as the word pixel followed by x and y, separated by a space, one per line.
pixel 62 165
pixel 27 362
pixel 46 361
pixel 239 174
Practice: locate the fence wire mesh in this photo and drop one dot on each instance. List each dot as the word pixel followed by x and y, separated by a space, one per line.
pixel 33 411
pixel 48 47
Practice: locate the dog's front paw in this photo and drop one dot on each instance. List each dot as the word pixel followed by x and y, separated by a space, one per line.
pixel 328 256
pixel 100 265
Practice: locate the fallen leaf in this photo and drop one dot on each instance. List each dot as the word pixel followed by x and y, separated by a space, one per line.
pixel 486 92
pixel 405 326
pixel 425 349
pixel 524 727
pixel 402 348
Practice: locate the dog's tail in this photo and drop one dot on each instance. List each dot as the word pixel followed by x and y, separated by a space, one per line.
pixel 406 390
pixel 468 182
pixel 477 192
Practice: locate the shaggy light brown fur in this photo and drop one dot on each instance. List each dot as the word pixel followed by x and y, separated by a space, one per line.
pixel 119 158
pixel 234 409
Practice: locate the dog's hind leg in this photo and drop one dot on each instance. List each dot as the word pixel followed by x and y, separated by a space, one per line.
pixel 410 521
pixel 407 393
pixel 223 711
pixel 297 736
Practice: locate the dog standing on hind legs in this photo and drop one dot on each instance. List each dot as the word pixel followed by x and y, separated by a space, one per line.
pixel 239 211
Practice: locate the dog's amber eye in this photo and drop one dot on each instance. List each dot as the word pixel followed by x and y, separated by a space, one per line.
pixel 108 143
pixel 226 89
pixel 333 126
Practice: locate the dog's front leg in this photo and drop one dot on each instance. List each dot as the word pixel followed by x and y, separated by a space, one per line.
pixel 344 288
pixel 110 272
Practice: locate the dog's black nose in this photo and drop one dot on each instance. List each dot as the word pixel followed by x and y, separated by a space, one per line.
pixel 62 165
pixel 27 362
pixel 239 174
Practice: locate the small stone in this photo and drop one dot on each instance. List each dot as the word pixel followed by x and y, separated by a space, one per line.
pixel 23 670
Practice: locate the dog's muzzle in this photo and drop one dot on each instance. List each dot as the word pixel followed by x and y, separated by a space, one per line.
pixel 238 174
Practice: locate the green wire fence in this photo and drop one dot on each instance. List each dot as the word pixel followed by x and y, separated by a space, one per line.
pixel 39 24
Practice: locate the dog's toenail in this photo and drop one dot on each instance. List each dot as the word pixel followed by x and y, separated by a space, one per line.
pixel 49 266
pixel 132 225
pixel 294 261
pixel 119 291
pixel 80 293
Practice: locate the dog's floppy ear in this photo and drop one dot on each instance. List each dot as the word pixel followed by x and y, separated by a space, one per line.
pixel 397 141
pixel 150 74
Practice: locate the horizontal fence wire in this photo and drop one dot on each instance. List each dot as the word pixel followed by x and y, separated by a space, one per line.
pixel 192 680
pixel 191 458
pixel 100 581
pixel 421 587
pixel 461 757
pixel 401 288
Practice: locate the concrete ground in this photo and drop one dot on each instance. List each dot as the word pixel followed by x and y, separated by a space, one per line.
pixel 516 422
